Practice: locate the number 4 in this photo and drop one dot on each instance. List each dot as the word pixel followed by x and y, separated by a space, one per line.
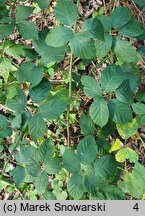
pixel 136 207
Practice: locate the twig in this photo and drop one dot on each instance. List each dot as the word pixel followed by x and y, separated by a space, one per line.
pixel 70 88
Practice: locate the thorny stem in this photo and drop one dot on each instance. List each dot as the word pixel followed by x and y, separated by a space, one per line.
pixel 10 155
pixel 70 88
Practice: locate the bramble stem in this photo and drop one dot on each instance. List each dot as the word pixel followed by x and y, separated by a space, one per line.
pixel 70 89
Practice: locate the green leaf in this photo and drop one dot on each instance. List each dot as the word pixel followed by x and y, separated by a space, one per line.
pixel 6 30
pixel 132 29
pixel 53 166
pixel 127 130
pixel 105 20
pixel 40 91
pixel 103 47
pixel 120 17
pixel 5 129
pixel 66 12
pixel 3 121
pixel 16 51
pixel 140 3
pixel 18 175
pixel 24 155
pixel 11 91
pixel 99 112
pixel 27 30
pixel 126 154
pixel 59 36
pixel 50 54
pixel 91 87
pixel 87 150
pixel 135 181
pixel 120 112
pixel 139 108
pixel 111 78
pixel 37 126
pixel 33 168
pixel 53 108
pixel 93 28
pixel 69 157
pixel 76 187
pixel 87 125
pixel 46 150
pixel 116 145
pixel 124 93
pixel 48 195
pixel 106 167
pixel 23 12
pixel 43 4
pixel 82 46
pixel 124 51
pixel 41 182
pixel 18 103
pixel 112 192
pixel 28 72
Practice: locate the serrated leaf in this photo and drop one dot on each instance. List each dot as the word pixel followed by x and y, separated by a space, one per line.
pixel 50 54
pixel 106 167
pixel 116 145
pixel 87 150
pixel 124 51
pixel 18 103
pixel 87 125
pixel 29 72
pixel 111 78
pixel 37 126
pixel 139 108
pixel 66 12
pixel 91 87
pixel 16 122
pixel 40 91
pixel 18 175
pixel 27 30
pixel 103 47
pixel 41 182
pixel 99 112
pixel 23 12
pixel 132 29
pixel 126 154
pixel 48 195
pixel 140 3
pixel 59 36
pixel 120 17
pixel 76 187
pixel 43 4
pixel 24 155
pixel 5 130
pixel 105 20
pixel 6 30
pixel 120 112
pixel 127 130
pixel 46 150
pixel 33 168
pixel 93 28
pixel 53 108
pixel 124 93
pixel 68 161
pixel 82 46
pixel 52 166
pixel 11 91
pixel 135 181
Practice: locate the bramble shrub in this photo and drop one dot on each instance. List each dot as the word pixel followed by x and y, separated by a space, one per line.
pixel 39 111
